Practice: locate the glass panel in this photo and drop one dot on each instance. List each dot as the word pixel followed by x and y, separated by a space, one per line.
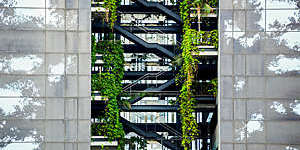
pixel 21 131
pixel 283 20
pixel 256 4
pixel 17 63
pixel 283 41
pixel 21 146
pixel 282 4
pixel 55 3
pixel 22 108
pixel 18 86
pixel 55 19
pixel 22 18
pixel 22 3
pixel 72 20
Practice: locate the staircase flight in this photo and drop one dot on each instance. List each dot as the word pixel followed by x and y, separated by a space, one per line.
pixel 155 47
pixel 149 135
pixel 162 8
pixel 160 88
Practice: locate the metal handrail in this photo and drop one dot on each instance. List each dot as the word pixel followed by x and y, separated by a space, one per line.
pixel 171 129
pixel 164 125
pixel 159 31
pixel 143 77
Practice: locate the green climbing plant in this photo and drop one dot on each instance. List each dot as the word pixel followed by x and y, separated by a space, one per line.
pixel 188 69
pixel 213 3
pixel 214 87
pixel 206 38
pixel 111 11
pixel 108 83
pixel 94 49
pixel 133 141
pixel 202 7
pixel 214 36
pixel 191 39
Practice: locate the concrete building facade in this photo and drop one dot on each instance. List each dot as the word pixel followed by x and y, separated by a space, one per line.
pixel 44 74
pixel 259 75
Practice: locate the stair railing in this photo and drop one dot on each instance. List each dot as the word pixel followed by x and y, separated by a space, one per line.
pixel 145 29
pixel 137 81
pixel 171 129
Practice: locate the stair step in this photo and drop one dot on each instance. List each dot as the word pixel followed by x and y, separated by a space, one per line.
pixel 162 8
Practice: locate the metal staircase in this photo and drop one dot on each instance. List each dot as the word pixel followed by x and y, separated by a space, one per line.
pixel 156 48
pixel 149 135
pixel 161 8
pixel 148 30
pixel 168 128
pixel 160 88
pixel 144 79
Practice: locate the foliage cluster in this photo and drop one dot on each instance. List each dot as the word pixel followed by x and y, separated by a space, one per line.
pixel 141 142
pixel 187 72
pixel 111 11
pixel 191 39
pixel 108 83
pixel 213 3
pixel 214 89
pixel 209 38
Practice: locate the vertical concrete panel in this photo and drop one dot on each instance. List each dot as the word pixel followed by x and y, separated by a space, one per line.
pixel 262 75
pixel 41 44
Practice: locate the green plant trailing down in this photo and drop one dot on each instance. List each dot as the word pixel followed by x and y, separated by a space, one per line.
pixel 108 83
pixel 189 67
pixel 111 11
pixel 191 39
pixel 214 89
pixel 140 142
pixel 94 50
pixel 213 3
pixel 209 38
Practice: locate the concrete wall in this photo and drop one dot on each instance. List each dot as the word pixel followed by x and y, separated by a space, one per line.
pixel 44 74
pixel 259 75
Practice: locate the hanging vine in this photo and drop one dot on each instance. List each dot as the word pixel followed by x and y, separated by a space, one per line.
pixel 189 64
pixel 188 69
pixel 111 11
pixel 108 82
pixel 214 87
pixel 134 141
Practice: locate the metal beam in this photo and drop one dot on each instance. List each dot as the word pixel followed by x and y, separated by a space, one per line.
pixel 152 108
pixel 166 108
pixel 161 8
pixel 136 74
pixel 154 29
pixel 134 8
pixel 134 48
pixel 100 106
pixel 99 27
pixel 148 135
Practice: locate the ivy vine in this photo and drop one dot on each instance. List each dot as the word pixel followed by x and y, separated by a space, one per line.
pixel 111 11
pixel 108 83
pixel 213 3
pixel 214 89
pixel 188 69
pixel 133 141
pixel 209 38
pixel 189 64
